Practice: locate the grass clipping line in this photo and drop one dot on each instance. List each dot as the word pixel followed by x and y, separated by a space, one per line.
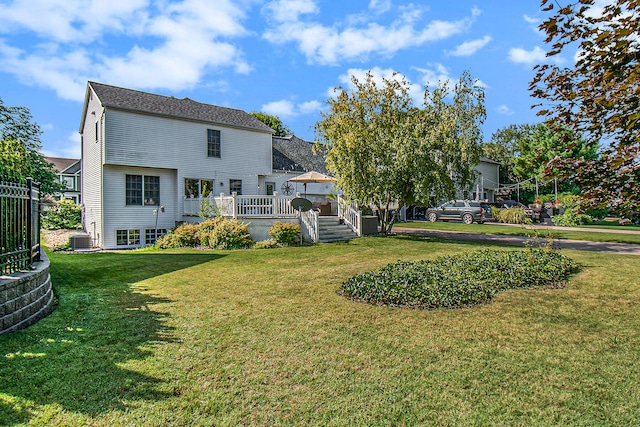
pixel 460 280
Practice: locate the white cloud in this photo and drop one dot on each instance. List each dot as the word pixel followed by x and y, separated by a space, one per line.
pixel 531 20
pixel 310 107
pixel 69 148
pixel 380 6
pixel 66 21
pixel 186 41
pixel 282 108
pixel 505 110
pixel 427 77
pixel 325 44
pixel 416 91
pixel 290 10
pixel 437 74
pixel 470 47
pixel 527 57
pixel 287 108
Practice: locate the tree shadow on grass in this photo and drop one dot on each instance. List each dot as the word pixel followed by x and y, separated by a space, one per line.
pixel 73 358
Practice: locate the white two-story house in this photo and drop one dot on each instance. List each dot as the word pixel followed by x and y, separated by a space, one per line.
pixel 142 154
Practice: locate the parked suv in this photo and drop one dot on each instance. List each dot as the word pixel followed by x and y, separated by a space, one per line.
pixel 464 210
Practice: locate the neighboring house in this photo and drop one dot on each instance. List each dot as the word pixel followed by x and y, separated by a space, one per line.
pixel 143 154
pixel 487 181
pixel 68 171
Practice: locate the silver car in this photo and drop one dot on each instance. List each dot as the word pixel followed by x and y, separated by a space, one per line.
pixel 461 210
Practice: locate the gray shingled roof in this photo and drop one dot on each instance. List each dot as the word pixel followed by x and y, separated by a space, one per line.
pixel 291 153
pixel 61 164
pixel 183 108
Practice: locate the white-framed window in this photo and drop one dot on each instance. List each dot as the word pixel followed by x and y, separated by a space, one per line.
pixel 142 190
pixel 213 143
pixel 151 235
pixel 127 237
pixel 197 188
pixel 235 186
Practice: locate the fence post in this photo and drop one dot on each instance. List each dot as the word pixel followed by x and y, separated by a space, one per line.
pixel 234 208
pixel 276 211
pixel 31 217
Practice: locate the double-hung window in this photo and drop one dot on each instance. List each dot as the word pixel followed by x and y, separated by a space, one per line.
pixel 213 143
pixel 142 190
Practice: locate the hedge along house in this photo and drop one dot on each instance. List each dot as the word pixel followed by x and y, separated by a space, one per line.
pixel 142 154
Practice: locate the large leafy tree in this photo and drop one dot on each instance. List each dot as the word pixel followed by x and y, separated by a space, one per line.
pixel 539 144
pixel 273 122
pixel 525 151
pixel 386 153
pixel 20 150
pixel 599 96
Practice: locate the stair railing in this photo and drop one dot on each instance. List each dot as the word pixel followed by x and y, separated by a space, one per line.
pixel 350 215
pixel 309 225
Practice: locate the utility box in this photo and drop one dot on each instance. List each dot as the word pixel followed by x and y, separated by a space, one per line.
pixel 80 241
pixel 369 225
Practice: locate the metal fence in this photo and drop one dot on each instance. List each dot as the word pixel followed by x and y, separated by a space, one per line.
pixel 19 226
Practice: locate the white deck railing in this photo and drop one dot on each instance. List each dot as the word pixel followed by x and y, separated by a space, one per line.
pixel 350 214
pixel 309 225
pixel 242 206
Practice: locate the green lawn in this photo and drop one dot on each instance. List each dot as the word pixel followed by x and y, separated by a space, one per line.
pixel 203 338
pixel 524 230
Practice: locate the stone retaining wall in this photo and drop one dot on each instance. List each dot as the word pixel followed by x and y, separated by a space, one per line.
pixel 25 297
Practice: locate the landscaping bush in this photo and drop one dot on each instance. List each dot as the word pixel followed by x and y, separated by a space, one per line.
pixel 571 219
pixel 63 215
pixel 514 215
pixel 206 227
pixel 185 235
pixel 267 244
pixel 230 234
pixel 459 281
pixel 285 233
pixel 217 233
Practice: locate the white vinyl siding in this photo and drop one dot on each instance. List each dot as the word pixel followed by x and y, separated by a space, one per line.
pixel 128 143
pixel 91 170
pixel 119 216
pixel 162 142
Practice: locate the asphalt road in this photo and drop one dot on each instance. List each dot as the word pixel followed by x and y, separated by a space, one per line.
pixel 581 245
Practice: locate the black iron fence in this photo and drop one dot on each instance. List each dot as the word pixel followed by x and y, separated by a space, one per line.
pixel 19 226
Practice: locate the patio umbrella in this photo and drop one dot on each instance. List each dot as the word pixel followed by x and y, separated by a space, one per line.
pixel 312 176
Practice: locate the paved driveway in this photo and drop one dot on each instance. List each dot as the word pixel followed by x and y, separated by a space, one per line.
pixel 581 245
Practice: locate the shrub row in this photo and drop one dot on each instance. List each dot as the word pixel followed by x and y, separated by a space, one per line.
pixel 458 281
pixel 223 233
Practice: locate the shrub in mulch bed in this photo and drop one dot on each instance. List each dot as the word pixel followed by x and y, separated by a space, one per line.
pixel 460 280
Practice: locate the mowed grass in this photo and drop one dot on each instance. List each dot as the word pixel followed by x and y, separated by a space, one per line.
pixel 526 230
pixel 261 337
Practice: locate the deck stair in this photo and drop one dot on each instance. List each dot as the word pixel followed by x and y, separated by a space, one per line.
pixel 332 229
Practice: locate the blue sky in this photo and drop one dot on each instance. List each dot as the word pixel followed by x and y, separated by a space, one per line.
pixel 281 57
